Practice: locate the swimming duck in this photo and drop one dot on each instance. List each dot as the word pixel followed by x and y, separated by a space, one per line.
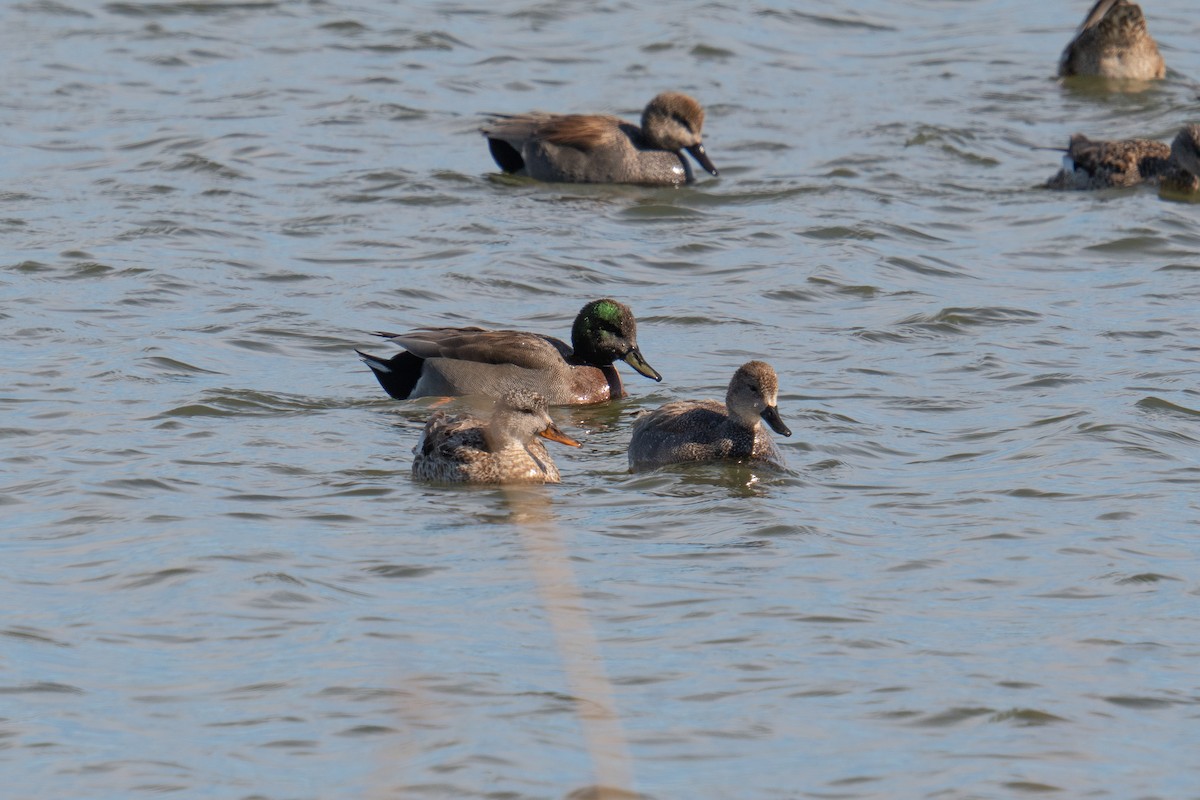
pixel 1183 176
pixel 705 430
pixel 1091 164
pixel 1113 42
pixel 504 449
pixel 596 148
pixel 458 361
pixel 1103 165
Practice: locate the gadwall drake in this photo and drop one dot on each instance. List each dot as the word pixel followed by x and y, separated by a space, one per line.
pixel 1113 42
pixel 1090 164
pixel 594 148
pixel 458 361
pixel 705 430
pixel 504 449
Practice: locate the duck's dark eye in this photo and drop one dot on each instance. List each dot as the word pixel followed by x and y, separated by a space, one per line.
pixel 687 125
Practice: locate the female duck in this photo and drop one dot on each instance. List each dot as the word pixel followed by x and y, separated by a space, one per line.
pixel 465 449
pixel 594 148
pixel 704 430
pixel 1113 42
pixel 1127 162
pixel 1183 177
pixel 458 361
pixel 1091 164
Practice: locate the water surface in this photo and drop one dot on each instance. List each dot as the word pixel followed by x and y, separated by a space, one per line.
pixel 976 580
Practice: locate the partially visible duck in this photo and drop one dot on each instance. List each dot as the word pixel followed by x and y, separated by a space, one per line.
pixel 705 430
pixel 1184 175
pixel 595 148
pixel 459 361
pixel 1091 164
pixel 504 449
pixel 1113 42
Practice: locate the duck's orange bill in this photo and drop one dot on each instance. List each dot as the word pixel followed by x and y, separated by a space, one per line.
pixel 555 435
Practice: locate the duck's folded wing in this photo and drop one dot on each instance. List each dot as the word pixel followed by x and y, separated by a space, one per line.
pixel 529 350
pixel 514 128
pixel 578 131
pixel 696 419
pixel 452 435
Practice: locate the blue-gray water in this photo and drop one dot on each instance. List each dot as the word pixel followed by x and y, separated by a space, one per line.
pixel 977 581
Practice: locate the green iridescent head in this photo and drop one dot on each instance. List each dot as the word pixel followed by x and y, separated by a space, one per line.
pixel 605 331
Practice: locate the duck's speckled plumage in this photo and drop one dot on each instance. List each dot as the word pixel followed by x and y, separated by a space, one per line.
pixel 1104 165
pixel 503 449
pixel 460 361
pixel 1113 42
pixel 595 148
pixel 1114 164
pixel 705 430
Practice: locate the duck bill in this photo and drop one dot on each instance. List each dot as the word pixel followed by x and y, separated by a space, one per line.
pixel 553 433
pixel 771 415
pixel 634 359
pixel 697 151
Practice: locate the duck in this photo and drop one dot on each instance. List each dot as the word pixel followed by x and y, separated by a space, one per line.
pixel 1090 164
pixel 442 362
pixel 706 430
pixel 500 450
pixel 1113 42
pixel 597 148
pixel 1183 176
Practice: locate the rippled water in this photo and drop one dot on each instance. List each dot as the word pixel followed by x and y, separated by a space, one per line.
pixel 978 579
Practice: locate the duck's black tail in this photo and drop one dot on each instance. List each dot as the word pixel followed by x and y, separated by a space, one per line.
pixel 397 375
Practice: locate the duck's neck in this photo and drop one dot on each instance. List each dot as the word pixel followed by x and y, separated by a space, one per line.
pixel 616 389
pixel 498 437
pixel 748 424
pixel 747 436
pixel 584 384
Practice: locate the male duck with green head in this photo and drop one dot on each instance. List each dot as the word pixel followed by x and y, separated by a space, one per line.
pixel 458 361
